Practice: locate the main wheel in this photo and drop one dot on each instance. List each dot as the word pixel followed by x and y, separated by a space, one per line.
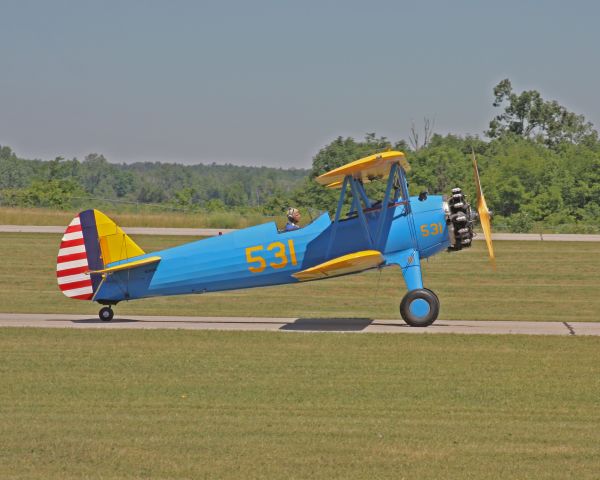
pixel 420 307
pixel 433 293
pixel 106 314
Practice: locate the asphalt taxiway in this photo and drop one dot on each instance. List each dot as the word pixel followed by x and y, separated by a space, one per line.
pixel 366 325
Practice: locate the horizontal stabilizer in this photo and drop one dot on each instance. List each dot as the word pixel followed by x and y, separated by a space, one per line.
pixel 128 265
pixel 351 263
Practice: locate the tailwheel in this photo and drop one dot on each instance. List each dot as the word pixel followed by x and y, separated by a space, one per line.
pixel 420 307
pixel 106 314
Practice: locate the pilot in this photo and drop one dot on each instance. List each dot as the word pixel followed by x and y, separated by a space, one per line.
pixel 293 217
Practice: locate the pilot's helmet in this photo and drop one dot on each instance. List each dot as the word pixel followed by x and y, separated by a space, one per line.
pixel 292 212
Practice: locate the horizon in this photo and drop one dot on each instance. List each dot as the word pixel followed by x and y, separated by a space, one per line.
pixel 271 83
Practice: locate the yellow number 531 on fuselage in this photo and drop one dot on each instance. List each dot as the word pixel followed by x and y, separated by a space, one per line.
pixel 279 251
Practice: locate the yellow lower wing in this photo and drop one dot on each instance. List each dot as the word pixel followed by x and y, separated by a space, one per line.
pixel 351 263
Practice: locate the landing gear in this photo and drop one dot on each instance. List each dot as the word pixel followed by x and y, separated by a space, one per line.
pixel 420 307
pixel 106 314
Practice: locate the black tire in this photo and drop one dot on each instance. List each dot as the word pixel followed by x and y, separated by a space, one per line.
pixel 106 314
pixel 414 319
pixel 433 293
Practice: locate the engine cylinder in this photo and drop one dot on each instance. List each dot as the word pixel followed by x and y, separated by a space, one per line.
pixel 460 219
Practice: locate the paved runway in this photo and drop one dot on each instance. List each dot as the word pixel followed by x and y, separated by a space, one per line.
pixel 297 324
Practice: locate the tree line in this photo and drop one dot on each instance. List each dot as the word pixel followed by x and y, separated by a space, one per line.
pixel 539 165
pixel 59 183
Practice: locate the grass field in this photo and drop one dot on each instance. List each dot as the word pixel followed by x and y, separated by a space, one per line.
pixel 159 216
pixel 534 281
pixel 188 404
pixel 42 216
pixel 229 405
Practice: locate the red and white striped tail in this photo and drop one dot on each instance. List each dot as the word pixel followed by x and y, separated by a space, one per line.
pixel 72 263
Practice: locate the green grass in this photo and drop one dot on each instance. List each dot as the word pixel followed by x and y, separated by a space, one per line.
pixel 42 216
pixel 534 281
pixel 189 404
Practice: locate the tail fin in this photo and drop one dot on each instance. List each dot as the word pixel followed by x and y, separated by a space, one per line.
pixel 91 241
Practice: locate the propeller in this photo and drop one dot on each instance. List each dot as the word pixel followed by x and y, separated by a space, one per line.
pixel 484 213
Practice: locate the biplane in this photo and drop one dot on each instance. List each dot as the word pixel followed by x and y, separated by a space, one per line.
pixel 98 261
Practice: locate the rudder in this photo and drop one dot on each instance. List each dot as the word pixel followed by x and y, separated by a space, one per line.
pixel 90 242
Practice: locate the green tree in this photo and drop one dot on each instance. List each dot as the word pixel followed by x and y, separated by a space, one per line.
pixel 6 152
pixel 150 193
pixel 528 115
pixel 277 203
pixel 56 193
pixel 214 205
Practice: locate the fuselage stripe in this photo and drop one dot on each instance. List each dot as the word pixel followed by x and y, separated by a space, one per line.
pixel 63 252
pixel 71 243
pixel 72 236
pixel 87 296
pixel 73 256
pixel 78 291
pixel 73 228
pixel 75 285
pixel 78 277
pixel 72 271
pixel 73 264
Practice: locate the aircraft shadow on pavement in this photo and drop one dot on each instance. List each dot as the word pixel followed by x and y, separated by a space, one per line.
pixel 97 320
pixel 328 324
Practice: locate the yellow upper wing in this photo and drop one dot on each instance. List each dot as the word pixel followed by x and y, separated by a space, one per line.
pixel 365 169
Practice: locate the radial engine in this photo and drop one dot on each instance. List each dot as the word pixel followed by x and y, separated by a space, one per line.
pixel 460 219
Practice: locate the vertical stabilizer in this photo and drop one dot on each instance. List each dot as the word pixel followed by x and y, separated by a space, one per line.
pixel 90 242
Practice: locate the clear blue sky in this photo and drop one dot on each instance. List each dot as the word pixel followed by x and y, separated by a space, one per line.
pixel 271 82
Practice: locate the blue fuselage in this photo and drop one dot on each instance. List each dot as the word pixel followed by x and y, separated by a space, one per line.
pixel 261 256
